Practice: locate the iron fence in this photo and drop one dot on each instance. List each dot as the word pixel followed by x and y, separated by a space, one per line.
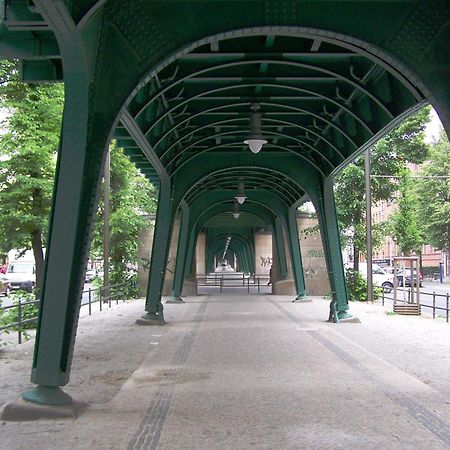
pixel 442 300
pixel 229 281
pixel 104 296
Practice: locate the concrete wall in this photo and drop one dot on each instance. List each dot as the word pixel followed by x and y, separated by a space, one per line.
pixel 170 268
pixel 200 254
pixel 263 252
pixel 285 286
pixel 313 257
pixel 145 241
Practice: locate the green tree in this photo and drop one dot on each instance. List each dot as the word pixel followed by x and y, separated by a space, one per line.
pixel 132 197
pixel 27 163
pixel 433 195
pixel 403 145
pixel 405 223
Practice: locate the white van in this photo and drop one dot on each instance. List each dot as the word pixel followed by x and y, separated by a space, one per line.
pixel 21 271
pixel 21 275
pixel 379 276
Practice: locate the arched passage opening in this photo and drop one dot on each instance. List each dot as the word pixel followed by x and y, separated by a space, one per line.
pixel 174 86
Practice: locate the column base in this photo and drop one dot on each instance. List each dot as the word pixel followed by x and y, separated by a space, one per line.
pixel 175 299
pixel 43 402
pixel 22 411
pixel 344 315
pixel 284 287
pixel 151 319
pixel 349 319
pixel 47 395
pixel 302 299
pixel 341 316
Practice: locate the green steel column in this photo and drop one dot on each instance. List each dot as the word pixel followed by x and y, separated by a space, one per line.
pixel 181 254
pixel 296 256
pixel 70 222
pixel 281 253
pixel 192 242
pixel 160 250
pixel 330 228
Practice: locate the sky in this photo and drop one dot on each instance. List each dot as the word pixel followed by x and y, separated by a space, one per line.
pixel 433 128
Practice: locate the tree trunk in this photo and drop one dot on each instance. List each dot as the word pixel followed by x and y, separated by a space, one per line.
pixel 355 258
pixel 36 243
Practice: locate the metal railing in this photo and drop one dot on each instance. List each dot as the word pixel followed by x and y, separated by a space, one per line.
pixel 232 281
pixel 104 296
pixel 423 297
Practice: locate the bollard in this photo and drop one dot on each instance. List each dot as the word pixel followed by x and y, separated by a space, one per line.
pixel 90 301
pixel 259 286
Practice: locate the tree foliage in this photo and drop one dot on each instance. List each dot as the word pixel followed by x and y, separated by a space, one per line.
pixel 27 164
pixel 405 222
pixel 433 195
pixel 403 145
pixel 132 197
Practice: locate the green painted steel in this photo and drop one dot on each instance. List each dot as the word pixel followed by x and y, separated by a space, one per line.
pixel 160 251
pixel 180 264
pixel 280 259
pixel 295 251
pixel 173 82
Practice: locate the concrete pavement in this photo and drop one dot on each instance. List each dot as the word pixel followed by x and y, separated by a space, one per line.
pixel 240 372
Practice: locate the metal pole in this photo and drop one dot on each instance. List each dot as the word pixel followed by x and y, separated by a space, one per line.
pixel 446 307
pixel 434 305
pixel 106 208
pixel 369 227
pixel 19 320
pixel 417 282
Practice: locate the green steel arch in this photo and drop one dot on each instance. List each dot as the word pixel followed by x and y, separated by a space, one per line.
pixel 172 81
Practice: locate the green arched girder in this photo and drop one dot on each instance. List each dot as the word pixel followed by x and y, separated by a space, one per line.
pixel 363 65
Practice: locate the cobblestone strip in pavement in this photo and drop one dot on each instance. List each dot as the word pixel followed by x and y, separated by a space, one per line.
pixel 421 414
pixel 149 431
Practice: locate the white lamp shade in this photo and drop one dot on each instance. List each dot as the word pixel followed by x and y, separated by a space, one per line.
pixel 236 215
pixel 240 199
pixel 255 145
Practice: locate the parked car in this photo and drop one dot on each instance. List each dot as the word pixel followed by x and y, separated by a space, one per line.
pixel 379 276
pixel 5 286
pixel 90 275
pixel 406 273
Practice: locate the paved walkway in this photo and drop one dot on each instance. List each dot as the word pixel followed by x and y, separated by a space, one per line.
pixel 244 372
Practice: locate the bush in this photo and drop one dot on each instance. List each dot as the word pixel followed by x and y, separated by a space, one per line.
pixel 30 311
pixel 128 291
pixel 357 287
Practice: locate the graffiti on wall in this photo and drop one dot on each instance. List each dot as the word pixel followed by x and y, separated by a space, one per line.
pixel 266 262
pixel 315 253
pixel 170 264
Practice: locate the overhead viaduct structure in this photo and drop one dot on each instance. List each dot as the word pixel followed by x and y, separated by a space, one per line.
pixel 176 83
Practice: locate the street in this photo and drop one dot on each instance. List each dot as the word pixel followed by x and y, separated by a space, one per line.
pixel 442 296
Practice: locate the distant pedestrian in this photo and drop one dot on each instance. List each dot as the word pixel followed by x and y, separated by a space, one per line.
pixel 270 276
